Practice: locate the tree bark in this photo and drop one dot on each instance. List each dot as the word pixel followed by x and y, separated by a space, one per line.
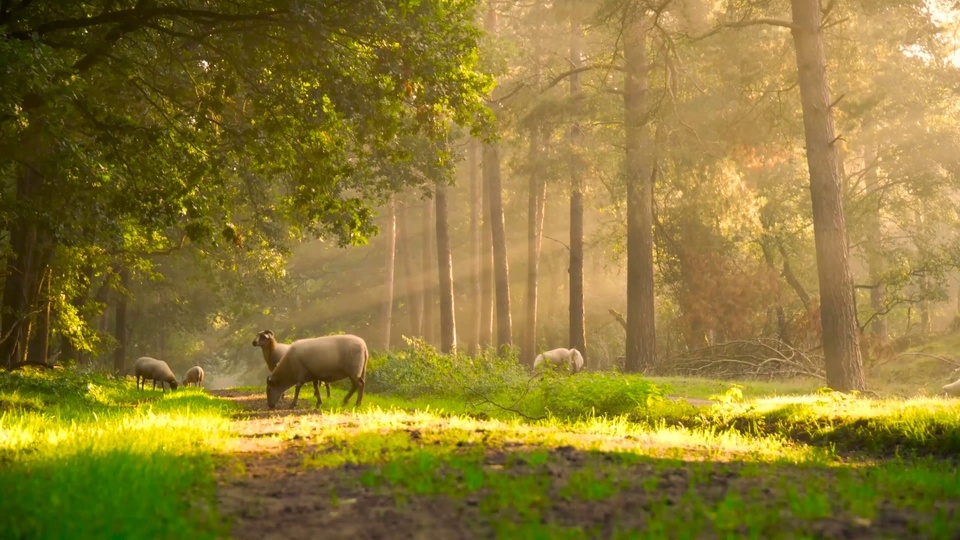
pixel 411 279
pixel 641 336
pixel 486 264
pixel 476 253
pixel 448 322
pixel 878 327
pixel 391 258
pixel 428 239
pixel 120 324
pixel 841 344
pixel 491 178
pixel 577 327
pixel 39 347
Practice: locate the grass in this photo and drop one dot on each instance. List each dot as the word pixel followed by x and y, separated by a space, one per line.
pixel 85 456
pixel 595 455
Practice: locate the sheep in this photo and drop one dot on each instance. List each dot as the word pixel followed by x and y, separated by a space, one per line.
pixel 273 352
pixel 952 389
pixel 194 375
pixel 328 359
pixel 157 370
pixel 560 357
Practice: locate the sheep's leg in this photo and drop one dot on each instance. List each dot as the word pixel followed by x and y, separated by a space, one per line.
pixel 357 385
pixel 325 383
pixel 296 396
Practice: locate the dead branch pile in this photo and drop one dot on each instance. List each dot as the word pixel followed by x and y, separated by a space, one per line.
pixel 762 358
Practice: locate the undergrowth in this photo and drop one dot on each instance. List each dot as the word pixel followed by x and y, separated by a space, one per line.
pixel 85 455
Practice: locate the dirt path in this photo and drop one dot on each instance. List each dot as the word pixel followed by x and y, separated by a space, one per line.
pixel 270 491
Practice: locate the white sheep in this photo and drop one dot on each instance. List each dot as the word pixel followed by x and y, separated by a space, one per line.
pixel 273 351
pixel 157 370
pixel 952 389
pixel 328 359
pixel 194 375
pixel 571 358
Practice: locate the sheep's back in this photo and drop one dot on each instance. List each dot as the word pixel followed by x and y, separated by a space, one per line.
pixel 330 355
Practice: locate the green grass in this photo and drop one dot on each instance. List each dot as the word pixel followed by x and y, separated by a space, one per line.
pixel 86 456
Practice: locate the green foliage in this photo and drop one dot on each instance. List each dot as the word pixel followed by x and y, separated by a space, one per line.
pixel 603 394
pixel 87 456
pixel 421 370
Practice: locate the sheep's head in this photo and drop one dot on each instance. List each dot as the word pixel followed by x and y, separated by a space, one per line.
pixel 263 338
pixel 173 384
pixel 274 392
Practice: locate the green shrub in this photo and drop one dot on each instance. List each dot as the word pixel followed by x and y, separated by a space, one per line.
pixel 598 393
pixel 421 370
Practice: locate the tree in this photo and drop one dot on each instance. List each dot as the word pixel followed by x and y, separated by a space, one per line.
pixel 494 194
pixel 389 265
pixel 578 334
pixel 428 240
pixel 841 345
pixel 448 323
pixel 476 253
pixel 641 336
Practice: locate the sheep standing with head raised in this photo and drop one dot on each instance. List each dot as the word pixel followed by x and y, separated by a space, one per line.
pixel 328 359
pixel 157 370
pixel 570 358
pixel 273 351
pixel 194 376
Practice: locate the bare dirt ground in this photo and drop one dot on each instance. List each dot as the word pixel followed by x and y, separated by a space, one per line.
pixel 268 493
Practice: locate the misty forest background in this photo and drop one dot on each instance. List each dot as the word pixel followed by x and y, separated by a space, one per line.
pixel 630 178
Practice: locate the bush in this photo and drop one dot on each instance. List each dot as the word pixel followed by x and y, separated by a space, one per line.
pixel 598 393
pixel 421 370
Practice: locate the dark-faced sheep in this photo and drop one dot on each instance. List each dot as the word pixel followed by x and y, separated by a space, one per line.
pixel 156 370
pixel 274 351
pixel 193 376
pixel 328 359
pixel 570 358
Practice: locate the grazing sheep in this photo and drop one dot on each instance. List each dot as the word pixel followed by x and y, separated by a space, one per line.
pixel 273 352
pixel 194 375
pixel 952 389
pixel 328 359
pixel 561 357
pixel 157 370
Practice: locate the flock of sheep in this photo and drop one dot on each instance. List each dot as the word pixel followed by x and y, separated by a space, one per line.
pixel 324 359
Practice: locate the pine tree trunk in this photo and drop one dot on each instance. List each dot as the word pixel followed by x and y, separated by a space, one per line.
pixel 411 279
pixel 641 336
pixel 534 230
pixel 841 344
pixel 577 327
pixel 120 324
pixel 20 272
pixel 448 322
pixel 476 253
pixel 39 347
pixel 486 264
pixel 494 193
pixel 390 263
pixel 428 241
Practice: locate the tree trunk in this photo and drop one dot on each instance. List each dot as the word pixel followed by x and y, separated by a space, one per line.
pixel 486 264
pixel 428 239
pixel 476 253
pixel 878 327
pixel 391 258
pixel 577 327
pixel 120 324
pixel 448 322
pixel 39 347
pixel 535 200
pixel 411 279
pixel 491 178
pixel 641 336
pixel 841 345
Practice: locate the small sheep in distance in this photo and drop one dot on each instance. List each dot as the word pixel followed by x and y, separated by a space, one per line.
pixel 273 351
pixel 194 376
pixel 952 389
pixel 157 370
pixel 328 359
pixel 570 358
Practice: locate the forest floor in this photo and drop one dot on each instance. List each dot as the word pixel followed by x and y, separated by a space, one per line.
pixel 395 473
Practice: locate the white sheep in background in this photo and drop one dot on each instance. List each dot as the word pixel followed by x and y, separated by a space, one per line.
pixel 570 358
pixel 194 376
pixel 328 359
pixel 273 351
pixel 157 370
pixel 952 389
